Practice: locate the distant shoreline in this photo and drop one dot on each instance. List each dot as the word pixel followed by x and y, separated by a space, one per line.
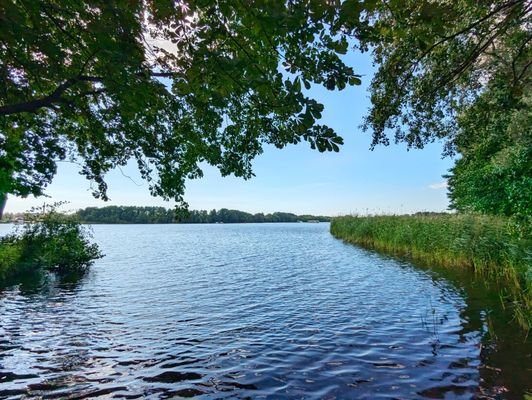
pixel 123 215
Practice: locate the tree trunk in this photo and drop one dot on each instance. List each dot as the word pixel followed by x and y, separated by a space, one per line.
pixel 3 201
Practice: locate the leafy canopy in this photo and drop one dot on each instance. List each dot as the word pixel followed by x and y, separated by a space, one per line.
pixel 170 84
pixel 174 84
pixel 436 57
pixel 460 70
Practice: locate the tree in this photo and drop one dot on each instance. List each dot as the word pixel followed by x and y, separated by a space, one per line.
pixel 174 84
pixel 436 57
pixel 460 71
pixel 494 173
pixel 170 84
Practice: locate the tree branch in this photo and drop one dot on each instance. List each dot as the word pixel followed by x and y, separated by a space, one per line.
pixel 413 66
pixel 34 105
pixel 56 96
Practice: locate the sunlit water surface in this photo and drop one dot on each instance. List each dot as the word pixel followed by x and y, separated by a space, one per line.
pixel 243 311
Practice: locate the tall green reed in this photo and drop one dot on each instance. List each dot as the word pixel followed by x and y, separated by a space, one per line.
pixel 486 244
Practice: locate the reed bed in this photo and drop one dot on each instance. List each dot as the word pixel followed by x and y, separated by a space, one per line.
pixel 486 244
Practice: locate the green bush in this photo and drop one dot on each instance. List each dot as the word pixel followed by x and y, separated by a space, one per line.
pixel 47 242
pixel 10 254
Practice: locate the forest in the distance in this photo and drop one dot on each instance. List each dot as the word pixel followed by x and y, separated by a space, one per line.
pixel 161 215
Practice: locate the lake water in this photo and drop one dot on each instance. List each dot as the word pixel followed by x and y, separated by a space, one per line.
pixel 255 311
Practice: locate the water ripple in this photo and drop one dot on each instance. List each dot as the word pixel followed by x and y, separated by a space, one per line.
pixel 241 311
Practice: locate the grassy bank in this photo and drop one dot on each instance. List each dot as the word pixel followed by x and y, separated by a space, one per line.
pixel 486 244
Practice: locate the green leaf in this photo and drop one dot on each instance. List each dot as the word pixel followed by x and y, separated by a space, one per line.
pixel 353 80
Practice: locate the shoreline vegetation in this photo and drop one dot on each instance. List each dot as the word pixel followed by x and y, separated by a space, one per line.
pixel 47 243
pixel 162 215
pixel 489 245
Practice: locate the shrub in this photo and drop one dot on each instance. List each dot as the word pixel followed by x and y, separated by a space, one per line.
pixel 47 242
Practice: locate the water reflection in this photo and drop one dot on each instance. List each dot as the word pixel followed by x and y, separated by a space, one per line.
pixel 44 283
pixel 255 311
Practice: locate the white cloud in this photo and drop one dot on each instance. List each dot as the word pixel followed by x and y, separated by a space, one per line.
pixel 440 185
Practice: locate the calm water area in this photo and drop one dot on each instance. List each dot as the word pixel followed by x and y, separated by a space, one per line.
pixel 258 311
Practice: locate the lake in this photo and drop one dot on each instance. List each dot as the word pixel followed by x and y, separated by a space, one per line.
pixel 256 311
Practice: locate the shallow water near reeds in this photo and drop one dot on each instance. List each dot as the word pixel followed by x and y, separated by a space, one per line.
pixel 256 311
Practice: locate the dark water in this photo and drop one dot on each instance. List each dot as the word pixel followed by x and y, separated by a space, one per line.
pixel 255 311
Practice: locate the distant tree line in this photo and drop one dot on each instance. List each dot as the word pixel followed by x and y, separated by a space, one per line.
pixel 126 215
pixel 161 215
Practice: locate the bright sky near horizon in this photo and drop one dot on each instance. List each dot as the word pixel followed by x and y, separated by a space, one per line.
pixel 295 179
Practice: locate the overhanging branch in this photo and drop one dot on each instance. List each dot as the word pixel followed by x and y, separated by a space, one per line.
pixel 34 105
pixel 56 96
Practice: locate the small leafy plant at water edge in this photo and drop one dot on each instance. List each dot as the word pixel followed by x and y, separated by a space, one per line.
pixel 48 241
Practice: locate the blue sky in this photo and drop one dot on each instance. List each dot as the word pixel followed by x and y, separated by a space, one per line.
pixel 295 179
